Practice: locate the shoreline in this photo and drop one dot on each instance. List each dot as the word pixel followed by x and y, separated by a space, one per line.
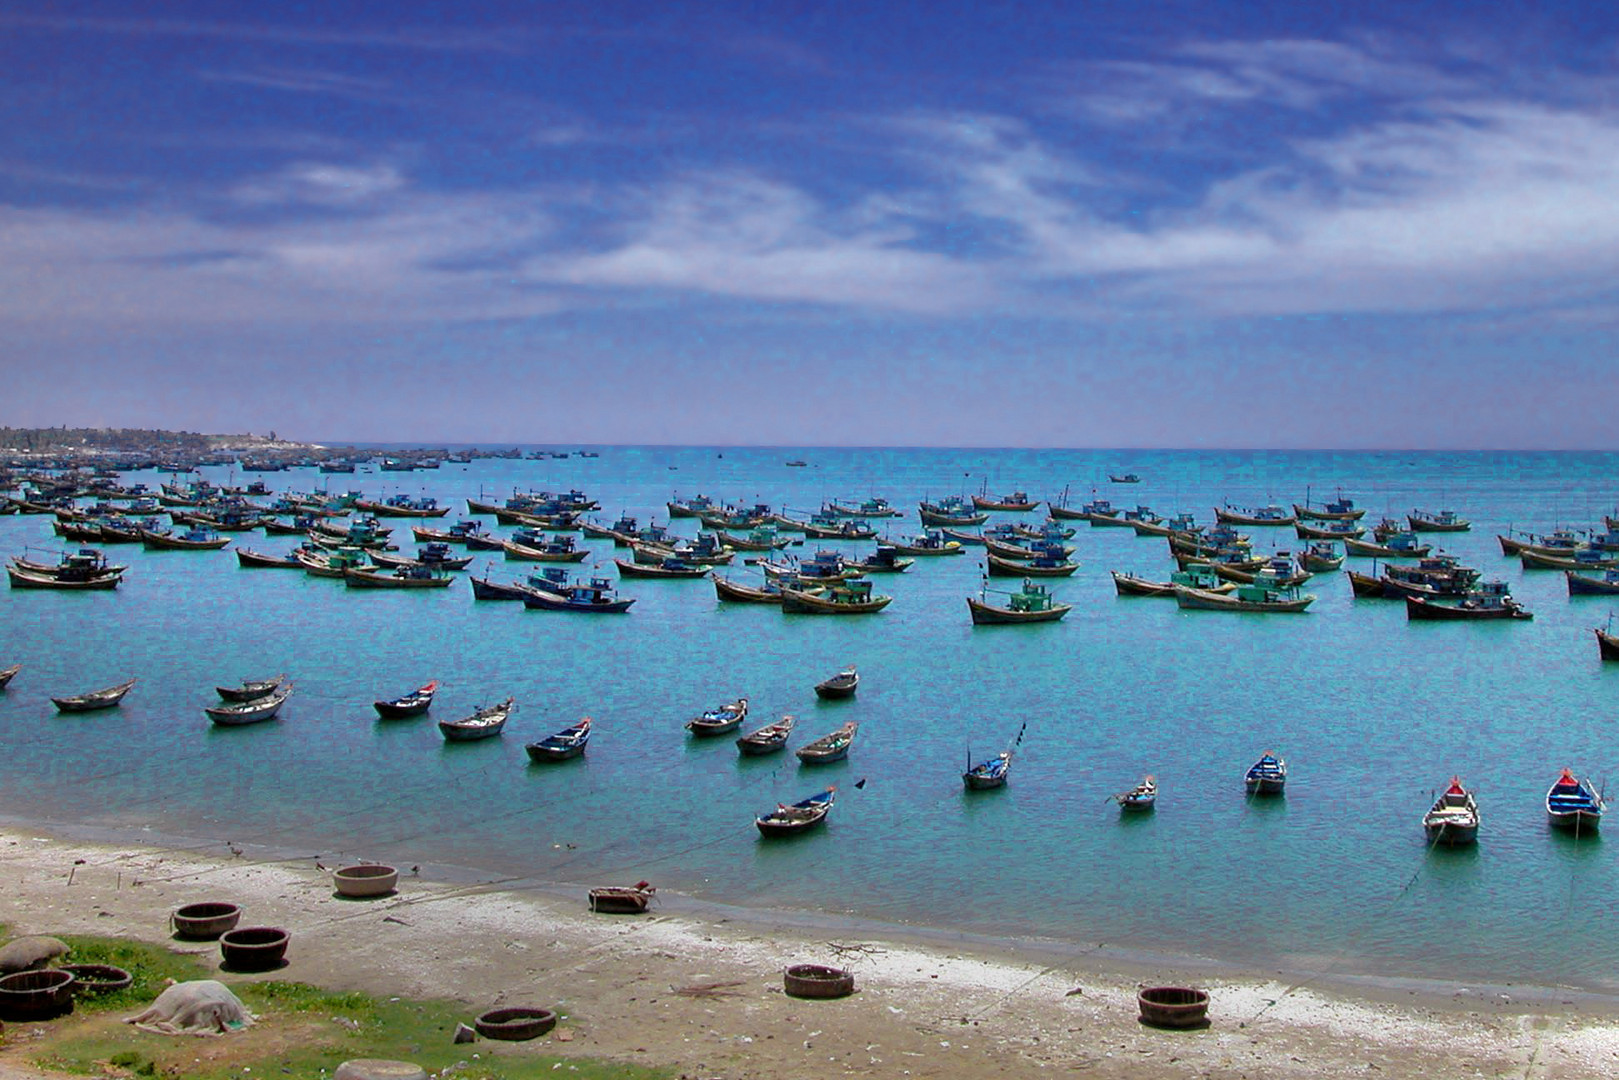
pixel 1341 975
pixel 926 1006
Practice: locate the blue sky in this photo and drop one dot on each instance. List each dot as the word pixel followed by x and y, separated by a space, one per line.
pixel 1000 224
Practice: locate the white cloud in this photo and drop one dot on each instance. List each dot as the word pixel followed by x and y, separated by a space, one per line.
pixel 320 184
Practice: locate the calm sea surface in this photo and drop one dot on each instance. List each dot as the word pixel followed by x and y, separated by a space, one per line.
pixel 1373 714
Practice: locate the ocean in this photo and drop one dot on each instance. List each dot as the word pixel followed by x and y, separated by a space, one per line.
pixel 1373 713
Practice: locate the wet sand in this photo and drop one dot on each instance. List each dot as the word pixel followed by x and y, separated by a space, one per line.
pixel 925 1006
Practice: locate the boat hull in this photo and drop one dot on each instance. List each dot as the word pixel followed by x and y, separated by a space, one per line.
pixel 988 615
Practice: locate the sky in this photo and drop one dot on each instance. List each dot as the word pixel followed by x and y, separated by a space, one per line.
pixel 1110 224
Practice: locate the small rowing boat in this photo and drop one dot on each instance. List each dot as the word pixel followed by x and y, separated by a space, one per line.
pixel 96 699
pixel 1144 796
pixel 483 724
pixel 1267 776
pixel 414 703
pixel 250 712
pixel 805 814
pixel 988 774
pixel 568 743
pixel 841 685
pixel 768 739
pixel 250 689
pixel 829 748
pixel 1572 804
pixel 1453 818
pixel 720 721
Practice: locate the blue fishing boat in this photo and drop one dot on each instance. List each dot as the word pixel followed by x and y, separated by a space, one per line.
pixel 597 597
pixel 1267 776
pixel 1572 804
pixel 1142 797
pixel 568 743
pixel 988 774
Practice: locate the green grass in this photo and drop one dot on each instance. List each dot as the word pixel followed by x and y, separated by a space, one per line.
pixel 302 1030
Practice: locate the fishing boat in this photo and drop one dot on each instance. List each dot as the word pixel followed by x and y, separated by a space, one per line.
pixel 1489 601
pixel 414 703
pixel 841 529
pixel 763 538
pixel 483 724
pixel 595 597
pixel 7 674
pixel 1144 796
pixel 874 507
pixel 1332 530
pixel 403 577
pixel 1582 559
pixel 669 569
pixel 1261 595
pixel 250 712
pixel 402 506
pixel 1032 603
pixel 768 593
pixel 489 589
pixel 987 774
pixel 695 506
pixel 568 743
pixel 253 560
pixel 932 542
pixel 842 598
pixel 805 814
pixel 841 685
pixel 1195 576
pixel 1267 776
pixel 829 748
pixel 1607 643
pixel 1123 478
pixel 1437 521
pixel 768 739
pixel 621 899
pixel 1183 524
pixel 1261 516
pixel 333 564
pixel 22 577
pixel 950 512
pixel 1572 804
pixel 720 721
pixel 1556 542
pixel 1453 818
pixel 1321 557
pixel 434 553
pixel 196 538
pixel 556 549
pixel 1016 502
pixel 1339 509
pixel 96 699
pixel 250 689
pixel 1040 564
pixel 1279 567
pixel 1585 585
pixel 885 560
pixel 1402 545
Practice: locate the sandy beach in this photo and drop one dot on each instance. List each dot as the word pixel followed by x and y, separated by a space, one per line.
pixel 701 994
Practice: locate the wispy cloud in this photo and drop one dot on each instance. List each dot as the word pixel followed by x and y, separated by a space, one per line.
pixel 321 184
pixel 512 39
pixel 304 81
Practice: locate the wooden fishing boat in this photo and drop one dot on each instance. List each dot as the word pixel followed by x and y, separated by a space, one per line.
pixel 96 699
pixel 1261 516
pixel 764 538
pixel 1573 804
pixel 459 533
pixel 1321 557
pixel 829 748
pixel 1027 549
pixel 669 569
pixel 720 721
pixel 805 814
pixel 706 552
pixel 842 685
pixel 621 899
pixel 568 743
pixel 927 543
pixel 1336 530
pixel 848 529
pixel 1033 603
pixel 22 578
pixel 1340 509
pixel 1181 524
pixel 843 598
pixel 250 689
pixel 1267 776
pixel 769 593
pixel 885 560
pixel 768 739
pixel 596 597
pixel 81 532
pixel 1585 585
pixel 695 506
pixel 1453 818
pixel 1124 478
pixel 1437 521
pixel 563 550
pixel 1557 542
pixel 402 506
pixel 197 538
pixel 1607 644
pixel 488 589
pixel 936 514
pixel 404 577
pixel 1057 512
pixel 434 555
pixel 333 564
pixel 253 560
pixel 250 712
pixel 1277 569
pixel 1142 797
pixel 7 674
pixel 874 507
pixel 1259 596
pixel 1044 565
pixel 988 774
pixel 1583 559
pixel 414 703
pixel 1489 601
pixel 1017 502
pixel 483 724
pixel 1197 575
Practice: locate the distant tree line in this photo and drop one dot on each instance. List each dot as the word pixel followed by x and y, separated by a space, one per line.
pixel 128 439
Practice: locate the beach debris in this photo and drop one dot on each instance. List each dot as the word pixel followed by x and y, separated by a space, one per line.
pixel 379 1069
pixel 464 1034
pixel 30 953
pixel 844 950
pixel 709 991
pixel 200 1007
pixel 1075 992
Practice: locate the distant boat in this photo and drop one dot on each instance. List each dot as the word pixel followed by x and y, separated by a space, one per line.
pixel 414 703
pixel 254 560
pixel 720 721
pixel 1124 478
pixel 1453 818
pixel 483 724
pixel 841 685
pixel 96 699
pixel 1260 516
pixel 1340 509
pixel 829 748
pixel 568 743
pixel 1144 796
pixel 7 674
pixel 1437 521
pixel 1572 804
pixel 988 774
pixel 1267 776
pixel 250 712
pixel 805 814
pixel 1016 502
pixel 250 690
pixel 768 739
pixel 797 464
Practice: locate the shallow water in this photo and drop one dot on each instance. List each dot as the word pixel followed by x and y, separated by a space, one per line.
pixel 1373 714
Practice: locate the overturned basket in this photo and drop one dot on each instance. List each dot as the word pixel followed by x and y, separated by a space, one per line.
pixel 1173 1006
pixel 515 1024
pixel 817 981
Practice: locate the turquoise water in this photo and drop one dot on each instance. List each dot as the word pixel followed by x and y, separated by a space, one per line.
pixel 1373 714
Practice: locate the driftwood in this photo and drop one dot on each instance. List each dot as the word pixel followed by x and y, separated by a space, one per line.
pixel 709 991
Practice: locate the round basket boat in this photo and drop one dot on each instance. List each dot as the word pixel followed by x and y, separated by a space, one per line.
pixel 818 981
pixel 91 979
pixel 1173 1006
pixel 366 879
pixel 206 921
pixel 36 995
pixel 254 948
pixel 515 1024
